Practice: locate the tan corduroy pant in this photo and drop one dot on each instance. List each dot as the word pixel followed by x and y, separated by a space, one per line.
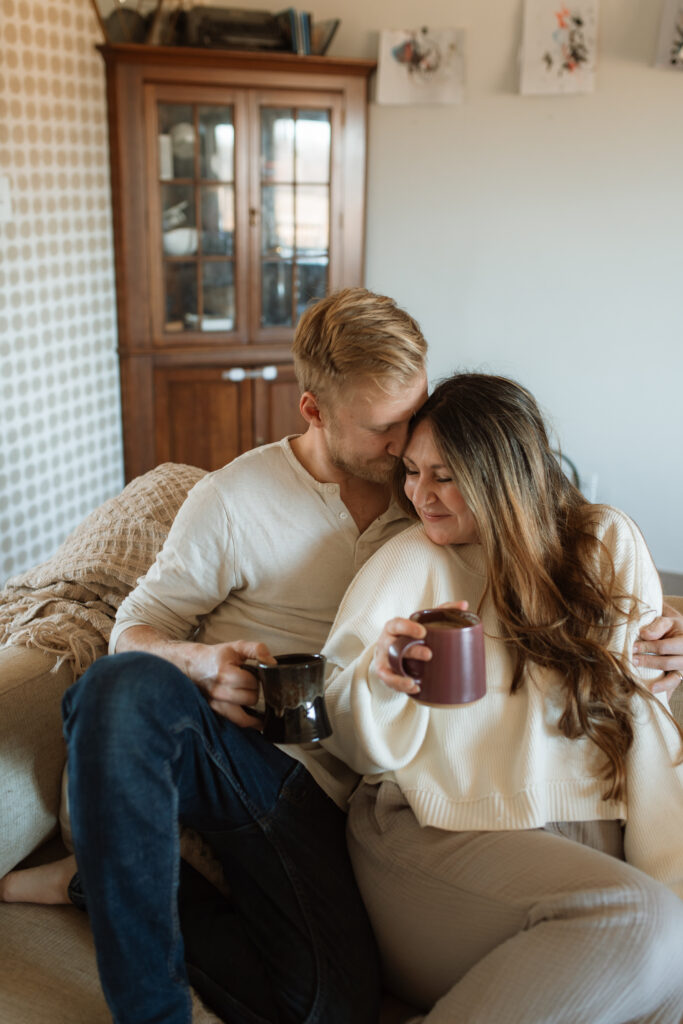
pixel 545 925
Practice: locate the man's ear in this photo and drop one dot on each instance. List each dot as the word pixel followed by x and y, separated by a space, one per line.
pixel 310 410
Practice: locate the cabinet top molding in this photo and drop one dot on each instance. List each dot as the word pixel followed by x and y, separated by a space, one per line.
pixel 179 55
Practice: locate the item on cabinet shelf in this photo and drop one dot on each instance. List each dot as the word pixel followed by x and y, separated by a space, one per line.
pixel 165 157
pixel 287 20
pixel 218 323
pixel 127 21
pixel 180 241
pixel 175 216
pixel 322 33
pixel 305 35
pixel 210 323
pixel 234 28
pixel 169 28
pixel 182 140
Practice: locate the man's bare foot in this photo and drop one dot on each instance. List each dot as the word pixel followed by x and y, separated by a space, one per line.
pixel 48 883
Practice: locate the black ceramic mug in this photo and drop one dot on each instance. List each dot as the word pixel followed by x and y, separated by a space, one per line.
pixel 293 692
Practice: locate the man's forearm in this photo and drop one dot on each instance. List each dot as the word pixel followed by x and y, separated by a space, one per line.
pixel 215 669
pixel 181 653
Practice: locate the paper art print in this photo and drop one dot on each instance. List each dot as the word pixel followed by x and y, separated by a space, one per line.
pixel 670 45
pixel 559 45
pixel 424 65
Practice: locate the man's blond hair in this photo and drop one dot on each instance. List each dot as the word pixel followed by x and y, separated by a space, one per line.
pixel 354 334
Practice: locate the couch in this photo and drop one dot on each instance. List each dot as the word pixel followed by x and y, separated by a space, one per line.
pixel 49 974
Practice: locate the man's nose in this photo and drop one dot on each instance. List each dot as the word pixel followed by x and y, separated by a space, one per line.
pixel 397 440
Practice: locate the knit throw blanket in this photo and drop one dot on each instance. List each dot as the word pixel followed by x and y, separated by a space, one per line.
pixel 67 605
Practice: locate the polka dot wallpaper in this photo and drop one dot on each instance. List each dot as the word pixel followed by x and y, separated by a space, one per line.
pixel 60 431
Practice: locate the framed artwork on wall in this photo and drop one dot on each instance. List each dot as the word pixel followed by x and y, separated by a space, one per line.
pixel 423 65
pixel 559 46
pixel 670 43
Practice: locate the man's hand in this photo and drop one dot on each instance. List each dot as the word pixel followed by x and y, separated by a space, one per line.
pixel 216 669
pixel 661 646
pixel 213 668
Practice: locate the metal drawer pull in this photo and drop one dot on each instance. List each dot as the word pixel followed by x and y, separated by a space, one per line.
pixel 239 373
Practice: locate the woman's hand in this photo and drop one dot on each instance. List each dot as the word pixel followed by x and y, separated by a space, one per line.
pixel 396 629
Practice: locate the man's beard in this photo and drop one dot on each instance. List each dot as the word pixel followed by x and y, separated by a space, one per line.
pixel 376 471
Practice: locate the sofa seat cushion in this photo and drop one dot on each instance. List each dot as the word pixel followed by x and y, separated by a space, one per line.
pixel 49 974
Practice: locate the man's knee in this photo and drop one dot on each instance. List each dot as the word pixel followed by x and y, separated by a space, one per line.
pixel 121 692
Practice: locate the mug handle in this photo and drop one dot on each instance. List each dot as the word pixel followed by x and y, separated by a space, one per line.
pixel 245 707
pixel 398 653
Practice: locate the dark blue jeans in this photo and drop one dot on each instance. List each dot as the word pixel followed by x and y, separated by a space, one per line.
pixel 292 945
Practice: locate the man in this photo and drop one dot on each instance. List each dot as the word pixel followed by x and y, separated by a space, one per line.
pixel 255 565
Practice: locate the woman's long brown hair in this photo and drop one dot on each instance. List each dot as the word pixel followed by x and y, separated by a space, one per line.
pixel 551 580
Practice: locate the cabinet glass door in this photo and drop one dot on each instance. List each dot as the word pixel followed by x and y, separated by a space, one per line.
pixel 196 162
pixel 294 186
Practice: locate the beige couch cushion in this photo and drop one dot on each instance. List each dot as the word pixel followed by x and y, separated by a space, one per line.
pixel 31 750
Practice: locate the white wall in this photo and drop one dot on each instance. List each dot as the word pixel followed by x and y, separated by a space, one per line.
pixel 542 237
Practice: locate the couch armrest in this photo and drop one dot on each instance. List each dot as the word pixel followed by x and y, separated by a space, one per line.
pixel 32 751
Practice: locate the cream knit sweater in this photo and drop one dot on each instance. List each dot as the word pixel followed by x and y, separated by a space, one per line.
pixel 500 763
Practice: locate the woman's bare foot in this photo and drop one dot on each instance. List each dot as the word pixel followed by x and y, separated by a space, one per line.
pixel 48 883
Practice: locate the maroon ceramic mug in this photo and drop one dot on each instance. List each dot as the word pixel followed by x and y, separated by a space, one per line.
pixel 456 673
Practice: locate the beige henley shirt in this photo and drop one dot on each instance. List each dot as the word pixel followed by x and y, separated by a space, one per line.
pixel 260 550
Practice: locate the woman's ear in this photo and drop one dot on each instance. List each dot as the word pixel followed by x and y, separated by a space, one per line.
pixel 310 410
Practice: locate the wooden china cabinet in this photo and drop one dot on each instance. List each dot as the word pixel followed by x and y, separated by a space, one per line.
pixel 238 187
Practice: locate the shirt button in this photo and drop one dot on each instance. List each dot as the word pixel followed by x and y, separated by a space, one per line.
pixel 343 515
pixel 331 488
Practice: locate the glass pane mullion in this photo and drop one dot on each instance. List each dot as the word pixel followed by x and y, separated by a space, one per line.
pixel 295 219
pixel 278 225
pixel 217 219
pixel 197 216
pixel 197 183
pixel 295 182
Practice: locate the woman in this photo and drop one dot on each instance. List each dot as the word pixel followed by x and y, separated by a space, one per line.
pixel 517 855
